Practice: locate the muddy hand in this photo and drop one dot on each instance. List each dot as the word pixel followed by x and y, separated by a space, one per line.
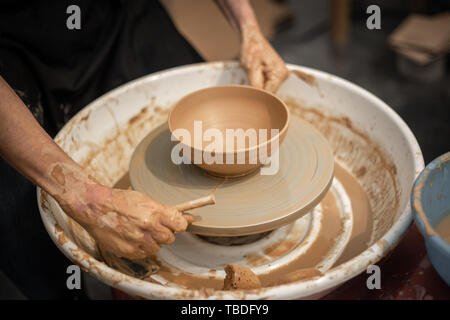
pixel 133 226
pixel 125 223
pixel 265 68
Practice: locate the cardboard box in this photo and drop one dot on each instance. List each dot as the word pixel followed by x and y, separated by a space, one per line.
pixel 422 39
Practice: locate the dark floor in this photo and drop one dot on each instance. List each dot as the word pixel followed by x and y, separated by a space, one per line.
pixel 368 62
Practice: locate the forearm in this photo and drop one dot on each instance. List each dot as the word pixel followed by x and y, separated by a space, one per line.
pixel 239 14
pixel 26 146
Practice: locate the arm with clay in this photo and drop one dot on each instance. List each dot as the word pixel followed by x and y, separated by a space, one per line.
pixel 265 68
pixel 123 222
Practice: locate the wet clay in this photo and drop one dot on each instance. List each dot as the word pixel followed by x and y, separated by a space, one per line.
pixel 330 229
pixel 362 157
pixel 362 218
pixel 264 67
pixel 239 277
pixel 297 275
pixel 124 182
pixel 308 78
pixel 443 228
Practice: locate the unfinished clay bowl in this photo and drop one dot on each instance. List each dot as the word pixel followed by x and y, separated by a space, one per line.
pixel 246 205
pixel 220 110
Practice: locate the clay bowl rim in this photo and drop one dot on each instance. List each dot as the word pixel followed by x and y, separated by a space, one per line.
pixel 280 134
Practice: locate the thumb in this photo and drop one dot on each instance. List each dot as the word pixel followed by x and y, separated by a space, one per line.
pixel 189 218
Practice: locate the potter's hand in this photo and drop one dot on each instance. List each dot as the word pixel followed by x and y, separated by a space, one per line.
pixel 265 69
pixel 125 223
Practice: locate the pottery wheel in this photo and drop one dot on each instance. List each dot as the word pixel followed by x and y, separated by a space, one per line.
pixel 247 205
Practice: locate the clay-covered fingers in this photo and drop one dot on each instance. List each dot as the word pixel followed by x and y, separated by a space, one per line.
pixel 255 74
pixel 251 62
pixel 174 220
pixel 275 77
pixel 149 244
pixel 266 72
pixel 125 248
pixel 272 85
pixel 162 234
pixel 189 218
